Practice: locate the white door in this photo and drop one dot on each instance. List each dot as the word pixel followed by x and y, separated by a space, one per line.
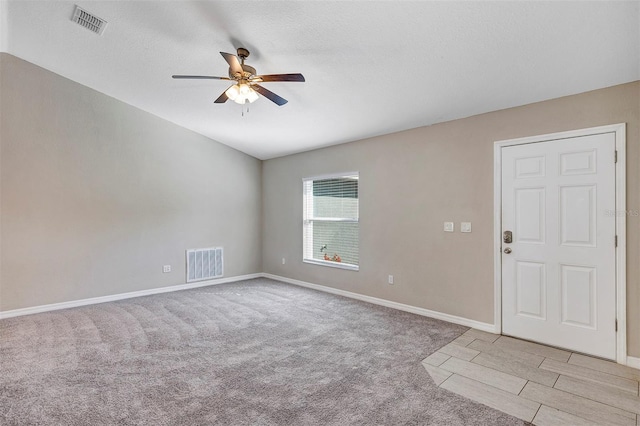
pixel 558 273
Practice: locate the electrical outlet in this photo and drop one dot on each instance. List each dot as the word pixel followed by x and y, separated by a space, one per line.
pixel 284 260
pixel 448 227
pixel 390 279
pixel 166 268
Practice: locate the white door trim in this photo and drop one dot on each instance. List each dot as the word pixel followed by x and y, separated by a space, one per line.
pixel 621 223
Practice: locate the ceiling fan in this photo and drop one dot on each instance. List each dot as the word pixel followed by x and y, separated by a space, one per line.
pixel 245 78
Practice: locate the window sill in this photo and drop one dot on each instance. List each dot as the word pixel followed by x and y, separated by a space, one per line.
pixel 331 264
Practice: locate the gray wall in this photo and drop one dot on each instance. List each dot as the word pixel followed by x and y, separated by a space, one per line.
pixel 97 195
pixel 413 181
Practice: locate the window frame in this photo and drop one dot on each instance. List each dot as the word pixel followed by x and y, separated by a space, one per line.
pixel 305 221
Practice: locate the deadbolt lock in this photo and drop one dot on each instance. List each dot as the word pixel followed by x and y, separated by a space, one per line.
pixel 507 237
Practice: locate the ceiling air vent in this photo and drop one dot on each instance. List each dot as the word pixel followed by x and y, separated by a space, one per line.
pixel 89 21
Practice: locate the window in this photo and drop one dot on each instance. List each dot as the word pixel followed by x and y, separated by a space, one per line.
pixel 330 225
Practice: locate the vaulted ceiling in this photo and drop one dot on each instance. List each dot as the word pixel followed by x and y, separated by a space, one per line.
pixel 371 67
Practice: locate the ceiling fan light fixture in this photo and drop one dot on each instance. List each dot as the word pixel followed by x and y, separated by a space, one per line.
pixel 241 93
pixel 244 89
pixel 233 92
pixel 252 96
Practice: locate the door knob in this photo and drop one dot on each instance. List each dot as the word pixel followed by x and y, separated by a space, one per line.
pixel 507 250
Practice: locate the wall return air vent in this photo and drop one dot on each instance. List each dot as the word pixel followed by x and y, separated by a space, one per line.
pixel 89 21
pixel 204 264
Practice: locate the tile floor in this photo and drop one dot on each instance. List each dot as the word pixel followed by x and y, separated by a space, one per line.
pixel 537 383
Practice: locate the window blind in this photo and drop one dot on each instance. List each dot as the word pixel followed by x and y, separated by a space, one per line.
pixel 331 214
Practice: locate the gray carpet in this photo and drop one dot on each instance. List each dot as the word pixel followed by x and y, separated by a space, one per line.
pixel 257 352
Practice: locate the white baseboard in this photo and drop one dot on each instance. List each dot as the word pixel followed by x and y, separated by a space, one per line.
pixel 633 362
pixel 114 297
pixel 490 328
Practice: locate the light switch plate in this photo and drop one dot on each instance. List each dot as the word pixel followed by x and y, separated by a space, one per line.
pixel 465 226
pixel 448 227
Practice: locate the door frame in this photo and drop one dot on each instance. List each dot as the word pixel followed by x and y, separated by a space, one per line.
pixel 621 223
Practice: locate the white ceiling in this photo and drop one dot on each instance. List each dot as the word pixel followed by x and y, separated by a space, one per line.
pixel 371 67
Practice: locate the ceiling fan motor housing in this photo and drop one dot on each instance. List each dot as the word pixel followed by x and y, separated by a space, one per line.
pixel 248 71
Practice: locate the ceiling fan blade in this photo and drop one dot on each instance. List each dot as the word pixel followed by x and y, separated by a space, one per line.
pixel 205 77
pixel 281 77
pixel 269 95
pixel 222 98
pixel 233 62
